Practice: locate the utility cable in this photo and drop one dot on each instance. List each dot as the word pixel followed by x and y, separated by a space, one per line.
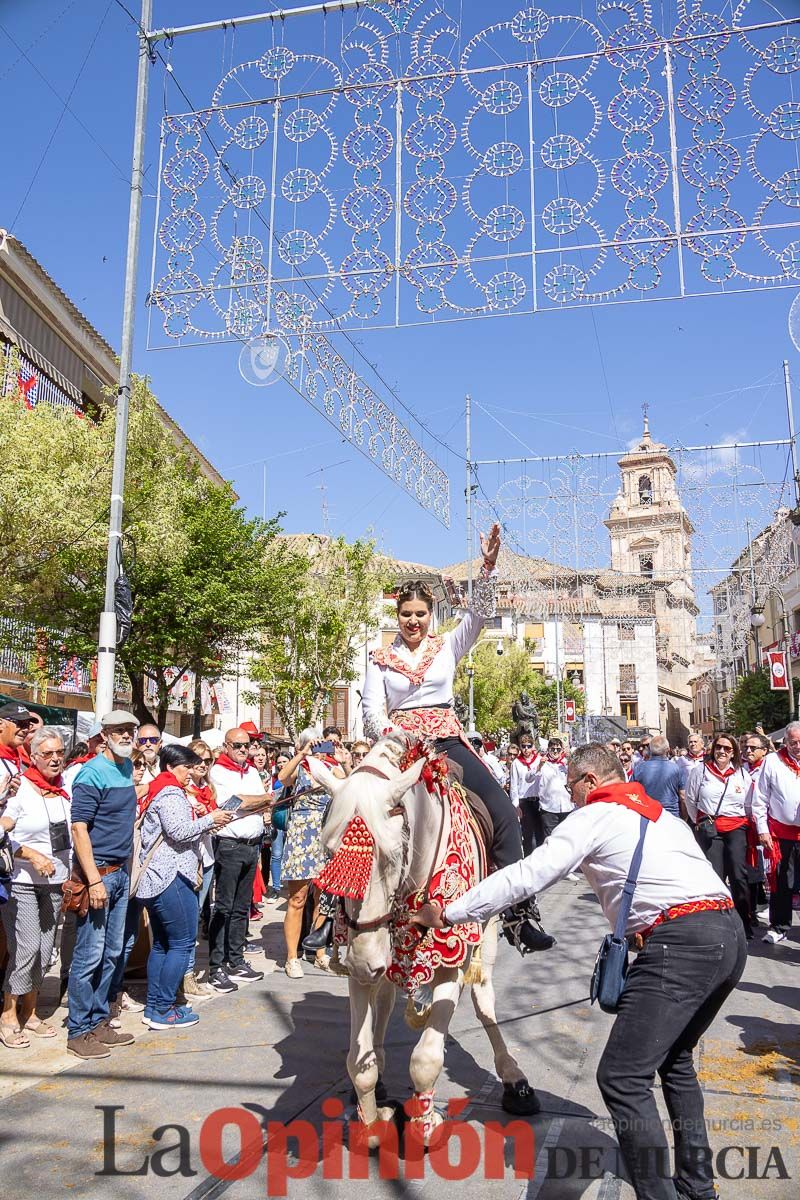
pixel 62 114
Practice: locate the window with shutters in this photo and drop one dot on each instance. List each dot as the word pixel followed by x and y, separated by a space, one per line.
pixel 627 679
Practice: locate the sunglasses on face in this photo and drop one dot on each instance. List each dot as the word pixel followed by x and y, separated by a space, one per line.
pixel 727 749
pixel 58 754
pixel 752 749
pixel 239 745
pixel 149 741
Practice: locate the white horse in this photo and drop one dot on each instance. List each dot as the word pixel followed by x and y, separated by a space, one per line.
pixel 407 825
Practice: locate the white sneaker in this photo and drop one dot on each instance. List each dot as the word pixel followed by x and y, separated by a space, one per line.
pixel 294 968
pixel 773 936
pixel 128 1003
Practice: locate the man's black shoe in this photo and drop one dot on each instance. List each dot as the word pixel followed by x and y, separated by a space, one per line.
pixel 220 982
pixel 318 939
pixel 244 974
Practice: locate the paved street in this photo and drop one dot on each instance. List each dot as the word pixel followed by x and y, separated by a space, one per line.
pixel 279 1046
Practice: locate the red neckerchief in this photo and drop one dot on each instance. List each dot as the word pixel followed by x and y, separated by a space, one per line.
pixel 82 758
pixel 557 762
pixel 696 757
pixel 714 770
pixel 24 757
pixel 11 754
pixel 757 766
pixel 164 780
pixel 628 773
pixel 390 658
pixel 783 755
pixel 527 762
pixel 53 788
pixel 629 795
pixel 224 761
pixel 205 795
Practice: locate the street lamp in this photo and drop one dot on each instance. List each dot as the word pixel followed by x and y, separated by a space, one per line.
pixel 758 620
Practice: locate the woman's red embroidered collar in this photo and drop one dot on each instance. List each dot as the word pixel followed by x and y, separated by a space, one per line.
pixel 416 673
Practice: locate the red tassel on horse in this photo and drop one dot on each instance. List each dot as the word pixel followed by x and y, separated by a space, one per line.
pixel 347 873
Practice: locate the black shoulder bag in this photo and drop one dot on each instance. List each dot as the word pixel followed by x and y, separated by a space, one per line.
pixel 611 964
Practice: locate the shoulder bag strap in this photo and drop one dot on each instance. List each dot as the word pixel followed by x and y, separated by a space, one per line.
pixel 630 883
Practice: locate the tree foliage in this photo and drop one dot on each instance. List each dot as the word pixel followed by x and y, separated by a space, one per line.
pixel 753 703
pixel 333 611
pixel 498 681
pixel 205 579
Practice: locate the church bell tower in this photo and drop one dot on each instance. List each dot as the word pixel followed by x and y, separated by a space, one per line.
pixel 651 550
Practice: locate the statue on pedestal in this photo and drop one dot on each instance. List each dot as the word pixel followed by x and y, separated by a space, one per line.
pixel 526 717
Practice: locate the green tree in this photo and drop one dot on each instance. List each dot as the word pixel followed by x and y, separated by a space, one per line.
pixel 314 647
pixel 754 703
pixel 205 580
pixel 498 681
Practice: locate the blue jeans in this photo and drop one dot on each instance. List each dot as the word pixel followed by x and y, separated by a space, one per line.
pixel 98 947
pixel 208 875
pixel 132 920
pixel 173 919
pixel 275 856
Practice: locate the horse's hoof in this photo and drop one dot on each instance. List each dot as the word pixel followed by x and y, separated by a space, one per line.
pixel 520 1099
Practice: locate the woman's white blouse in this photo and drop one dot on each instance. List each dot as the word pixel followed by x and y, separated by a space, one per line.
pixel 386 689
pixel 33 814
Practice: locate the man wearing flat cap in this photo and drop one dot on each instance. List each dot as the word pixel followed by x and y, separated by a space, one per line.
pixel 103 814
pixel 15 721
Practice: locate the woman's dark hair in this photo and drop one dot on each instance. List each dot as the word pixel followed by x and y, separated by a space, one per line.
pixel 736 757
pixel 415 589
pixel 77 751
pixel 176 755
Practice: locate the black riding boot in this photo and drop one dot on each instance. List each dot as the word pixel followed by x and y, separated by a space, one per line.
pixel 522 927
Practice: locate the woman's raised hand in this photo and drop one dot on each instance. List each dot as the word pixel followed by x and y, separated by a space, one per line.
pixel 490 545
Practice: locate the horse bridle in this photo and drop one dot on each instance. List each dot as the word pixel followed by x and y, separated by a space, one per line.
pixel 389 918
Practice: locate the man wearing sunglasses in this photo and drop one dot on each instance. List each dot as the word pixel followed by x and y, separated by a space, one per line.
pixel 692 954
pixel 237 851
pixel 15 720
pixel 149 742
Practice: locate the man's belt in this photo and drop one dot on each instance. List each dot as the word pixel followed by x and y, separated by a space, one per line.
pixel 109 868
pixel 681 910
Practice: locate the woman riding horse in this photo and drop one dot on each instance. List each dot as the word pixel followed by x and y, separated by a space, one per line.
pixel 412 681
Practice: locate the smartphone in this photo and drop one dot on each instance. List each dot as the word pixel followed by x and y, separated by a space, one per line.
pixel 323 748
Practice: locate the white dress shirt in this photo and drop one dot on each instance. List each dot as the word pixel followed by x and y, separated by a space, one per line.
pixel 704 791
pixel 601 838
pixel 553 794
pixel 495 766
pixel 776 794
pixel 232 783
pixel 524 779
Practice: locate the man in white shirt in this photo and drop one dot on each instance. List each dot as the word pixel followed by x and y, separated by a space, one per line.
pixel 237 851
pixel 555 802
pixel 693 955
pixel 776 811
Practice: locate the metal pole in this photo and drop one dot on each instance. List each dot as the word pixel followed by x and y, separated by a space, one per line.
pixel 787 383
pixel 107 642
pixel 470 661
pixel 785 640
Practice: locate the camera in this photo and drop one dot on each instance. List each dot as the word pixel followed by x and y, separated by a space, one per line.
pixel 500 649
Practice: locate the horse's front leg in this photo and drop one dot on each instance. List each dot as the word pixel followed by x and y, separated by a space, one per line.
pixel 518 1096
pixel 427 1058
pixel 384 999
pixel 362 1064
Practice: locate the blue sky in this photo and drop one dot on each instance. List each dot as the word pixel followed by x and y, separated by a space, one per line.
pixel 709 368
